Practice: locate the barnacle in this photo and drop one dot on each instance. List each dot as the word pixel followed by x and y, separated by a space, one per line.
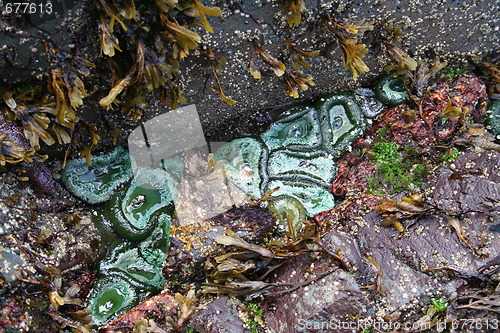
pixel 293 10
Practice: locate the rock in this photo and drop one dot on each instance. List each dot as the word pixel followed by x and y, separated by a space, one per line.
pixel 428 258
pixel 317 306
pixel 470 183
pixel 219 316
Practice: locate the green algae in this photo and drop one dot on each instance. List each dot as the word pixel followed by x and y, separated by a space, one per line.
pixel 394 172
pixel 96 183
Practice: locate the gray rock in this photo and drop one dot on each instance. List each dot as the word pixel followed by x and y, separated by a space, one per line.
pixel 320 306
pixel 219 316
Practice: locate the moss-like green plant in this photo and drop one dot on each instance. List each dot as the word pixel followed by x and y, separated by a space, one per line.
pixel 454 72
pixel 394 173
pixel 386 151
pixel 439 304
pixel 451 156
pixel 254 316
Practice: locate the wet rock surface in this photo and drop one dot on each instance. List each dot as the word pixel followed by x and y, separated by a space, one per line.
pixel 334 297
pixel 221 315
pixel 469 184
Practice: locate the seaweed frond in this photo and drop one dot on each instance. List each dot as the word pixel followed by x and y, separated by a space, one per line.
pixel 173 90
pixel 166 5
pixel 202 11
pixel 293 82
pixel 66 85
pixel 277 66
pixel 109 42
pixel 118 12
pixel 94 141
pixel 299 56
pixel 217 63
pixel 403 63
pixel 353 51
pixel 11 152
pixel 149 70
pixel 182 38
pixel 293 11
